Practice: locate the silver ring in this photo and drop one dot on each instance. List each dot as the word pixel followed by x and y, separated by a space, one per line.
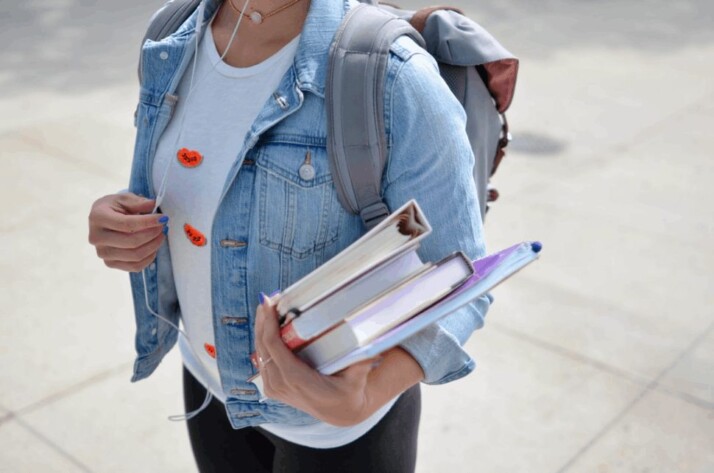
pixel 263 363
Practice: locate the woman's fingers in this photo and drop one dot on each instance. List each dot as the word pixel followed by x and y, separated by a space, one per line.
pixel 131 267
pixel 110 238
pixel 124 232
pixel 125 213
pixel 285 374
pixel 337 399
pixel 128 224
pixel 132 255
pixel 272 343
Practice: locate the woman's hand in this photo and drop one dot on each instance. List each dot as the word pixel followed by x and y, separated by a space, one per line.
pixel 124 237
pixel 342 399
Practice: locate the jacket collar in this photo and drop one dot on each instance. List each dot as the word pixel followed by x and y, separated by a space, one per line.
pixel 323 20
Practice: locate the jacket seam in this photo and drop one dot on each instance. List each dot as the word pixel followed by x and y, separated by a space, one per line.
pixel 390 120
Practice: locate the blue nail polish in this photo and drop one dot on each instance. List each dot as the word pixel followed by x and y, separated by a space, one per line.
pixel 275 293
pixel 261 298
pixel 164 219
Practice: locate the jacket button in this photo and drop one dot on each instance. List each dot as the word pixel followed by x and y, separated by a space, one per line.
pixel 282 102
pixel 164 55
pixel 226 243
pixel 307 172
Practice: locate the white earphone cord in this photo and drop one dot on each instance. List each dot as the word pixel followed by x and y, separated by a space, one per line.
pixel 199 27
pixel 162 190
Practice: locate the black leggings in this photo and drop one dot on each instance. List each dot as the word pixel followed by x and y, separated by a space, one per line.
pixel 389 447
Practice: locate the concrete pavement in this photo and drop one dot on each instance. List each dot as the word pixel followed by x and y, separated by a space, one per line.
pixel 599 358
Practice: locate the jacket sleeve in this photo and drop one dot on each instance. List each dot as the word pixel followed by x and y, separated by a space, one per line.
pixel 431 161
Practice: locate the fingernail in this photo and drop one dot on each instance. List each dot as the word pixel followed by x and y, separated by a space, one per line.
pixel 166 230
pixel 261 298
pixel 274 293
pixel 164 219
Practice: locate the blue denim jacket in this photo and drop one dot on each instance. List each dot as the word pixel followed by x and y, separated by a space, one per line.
pixel 273 227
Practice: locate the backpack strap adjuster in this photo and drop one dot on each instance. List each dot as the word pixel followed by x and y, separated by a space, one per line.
pixel 373 214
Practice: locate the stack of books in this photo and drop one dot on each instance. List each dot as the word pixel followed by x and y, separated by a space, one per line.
pixel 377 292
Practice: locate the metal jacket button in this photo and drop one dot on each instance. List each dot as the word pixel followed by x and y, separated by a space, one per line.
pixel 307 172
pixel 227 243
pixel 282 102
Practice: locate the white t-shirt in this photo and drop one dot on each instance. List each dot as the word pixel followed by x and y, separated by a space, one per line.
pixel 214 120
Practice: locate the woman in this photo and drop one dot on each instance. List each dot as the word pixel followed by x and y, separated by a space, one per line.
pixel 232 140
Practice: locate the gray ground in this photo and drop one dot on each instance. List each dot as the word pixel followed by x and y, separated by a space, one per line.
pixel 599 358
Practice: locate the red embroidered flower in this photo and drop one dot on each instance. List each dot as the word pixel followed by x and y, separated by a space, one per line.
pixel 189 158
pixel 210 349
pixel 196 237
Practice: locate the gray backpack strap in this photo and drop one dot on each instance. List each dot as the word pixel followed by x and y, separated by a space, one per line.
pixel 167 20
pixel 354 96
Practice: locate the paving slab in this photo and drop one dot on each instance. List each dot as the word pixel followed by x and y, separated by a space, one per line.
pixel 643 274
pixel 586 329
pixel 50 186
pixel 605 106
pixel 523 409
pixel 639 218
pixel 657 184
pixel 693 376
pixel 56 169
pixel 65 317
pixel 101 148
pixel 660 434
pixel 23 451
pixel 37 105
pixel 117 426
pixel 82 48
pixel 5 415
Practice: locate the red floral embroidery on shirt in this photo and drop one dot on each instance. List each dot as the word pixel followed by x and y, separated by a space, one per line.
pixel 196 237
pixel 210 349
pixel 189 158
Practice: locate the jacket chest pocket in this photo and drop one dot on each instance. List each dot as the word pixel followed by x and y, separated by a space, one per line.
pixel 299 212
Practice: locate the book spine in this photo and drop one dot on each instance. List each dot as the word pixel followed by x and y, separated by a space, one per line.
pixel 291 338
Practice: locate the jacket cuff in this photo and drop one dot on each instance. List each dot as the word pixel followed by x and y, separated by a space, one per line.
pixel 439 354
pixel 438 349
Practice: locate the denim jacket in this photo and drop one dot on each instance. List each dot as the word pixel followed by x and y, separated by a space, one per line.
pixel 272 226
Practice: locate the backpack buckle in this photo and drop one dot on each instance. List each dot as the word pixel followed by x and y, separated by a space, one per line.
pixel 373 214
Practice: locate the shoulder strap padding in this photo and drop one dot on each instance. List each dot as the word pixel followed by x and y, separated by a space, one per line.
pixel 354 95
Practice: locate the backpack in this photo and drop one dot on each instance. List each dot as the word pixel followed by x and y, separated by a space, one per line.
pixel 479 71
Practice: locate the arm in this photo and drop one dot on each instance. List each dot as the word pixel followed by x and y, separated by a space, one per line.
pixel 431 161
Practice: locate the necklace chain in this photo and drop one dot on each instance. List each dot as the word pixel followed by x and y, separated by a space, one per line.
pixel 257 17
